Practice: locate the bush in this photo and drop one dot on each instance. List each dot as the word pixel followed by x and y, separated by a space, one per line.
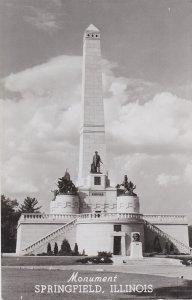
pixel 55 249
pixel 186 262
pixel 76 250
pixel 95 260
pixel 104 254
pixel 49 248
pixel 43 254
pixel 65 248
pixel 152 254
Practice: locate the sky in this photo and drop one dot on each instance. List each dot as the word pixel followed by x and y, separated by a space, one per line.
pixel 147 88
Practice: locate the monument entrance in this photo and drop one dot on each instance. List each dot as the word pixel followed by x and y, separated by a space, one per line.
pixel 117 245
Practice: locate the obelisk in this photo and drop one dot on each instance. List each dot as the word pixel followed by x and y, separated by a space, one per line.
pixel 92 132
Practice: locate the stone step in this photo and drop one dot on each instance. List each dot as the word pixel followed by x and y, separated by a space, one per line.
pixel 125 260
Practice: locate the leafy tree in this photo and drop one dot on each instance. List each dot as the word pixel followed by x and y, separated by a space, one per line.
pixel 55 249
pixel 29 206
pixel 65 247
pixel 157 245
pixel 48 248
pixel 9 219
pixel 76 252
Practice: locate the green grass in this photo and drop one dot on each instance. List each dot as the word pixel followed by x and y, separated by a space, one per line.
pixel 20 283
pixel 40 260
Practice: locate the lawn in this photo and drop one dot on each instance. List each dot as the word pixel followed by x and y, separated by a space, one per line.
pixel 40 260
pixel 20 284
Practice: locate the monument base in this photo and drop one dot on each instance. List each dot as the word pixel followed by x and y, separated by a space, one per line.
pixel 136 250
pixel 65 204
pixel 128 204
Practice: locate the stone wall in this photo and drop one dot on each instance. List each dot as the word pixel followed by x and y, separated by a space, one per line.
pixel 29 233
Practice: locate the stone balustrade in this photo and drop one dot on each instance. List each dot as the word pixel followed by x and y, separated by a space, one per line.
pixel 110 216
pixel 59 218
pixel 46 217
pixel 64 217
pixel 165 219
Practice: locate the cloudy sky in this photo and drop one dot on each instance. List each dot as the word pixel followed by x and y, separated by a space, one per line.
pixel 147 87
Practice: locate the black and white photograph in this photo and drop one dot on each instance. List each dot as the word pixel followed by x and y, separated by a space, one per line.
pixel 96 149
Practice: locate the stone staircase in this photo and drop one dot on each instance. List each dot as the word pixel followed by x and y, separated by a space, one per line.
pixel 144 261
pixel 49 237
pixel 182 248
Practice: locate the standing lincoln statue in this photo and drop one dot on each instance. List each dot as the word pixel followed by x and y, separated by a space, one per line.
pixel 95 167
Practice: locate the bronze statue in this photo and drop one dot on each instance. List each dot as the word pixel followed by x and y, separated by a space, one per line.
pixel 95 166
pixel 65 185
pixel 128 187
pixel 55 193
pixel 136 237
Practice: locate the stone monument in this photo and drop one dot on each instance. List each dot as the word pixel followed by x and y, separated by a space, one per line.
pixel 136 246
pixel 97 216
pixel 92 132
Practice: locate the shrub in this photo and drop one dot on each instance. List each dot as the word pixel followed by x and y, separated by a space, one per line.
pixel 186 262
pixel 152 254
pixel 65 248
pixel 95 260
pixel 104 254
pixel 76 250
pixel 43 254
pixel 48 248
pixel 55 251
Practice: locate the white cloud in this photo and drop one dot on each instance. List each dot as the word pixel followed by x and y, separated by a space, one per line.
pixel 188 173
pixel 166 179
pixel 164 121
pixel 43 19
pixel 49 80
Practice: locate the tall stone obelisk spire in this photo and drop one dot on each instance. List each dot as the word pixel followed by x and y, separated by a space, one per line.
pixel 92 133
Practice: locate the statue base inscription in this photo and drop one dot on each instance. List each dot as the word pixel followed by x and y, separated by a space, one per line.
pixel 136 250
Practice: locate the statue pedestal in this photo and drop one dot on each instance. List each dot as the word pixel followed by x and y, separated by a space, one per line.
pixel 136 250
pixel 97 181
pixel 65 204
pixel 127 204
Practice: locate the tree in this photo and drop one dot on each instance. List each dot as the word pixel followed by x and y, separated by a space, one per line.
pixel 65 247
pixel 76 252
pixel 29 206
pixel 9 219
pixel 48 248
pixel 157 245
pixel 55 249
